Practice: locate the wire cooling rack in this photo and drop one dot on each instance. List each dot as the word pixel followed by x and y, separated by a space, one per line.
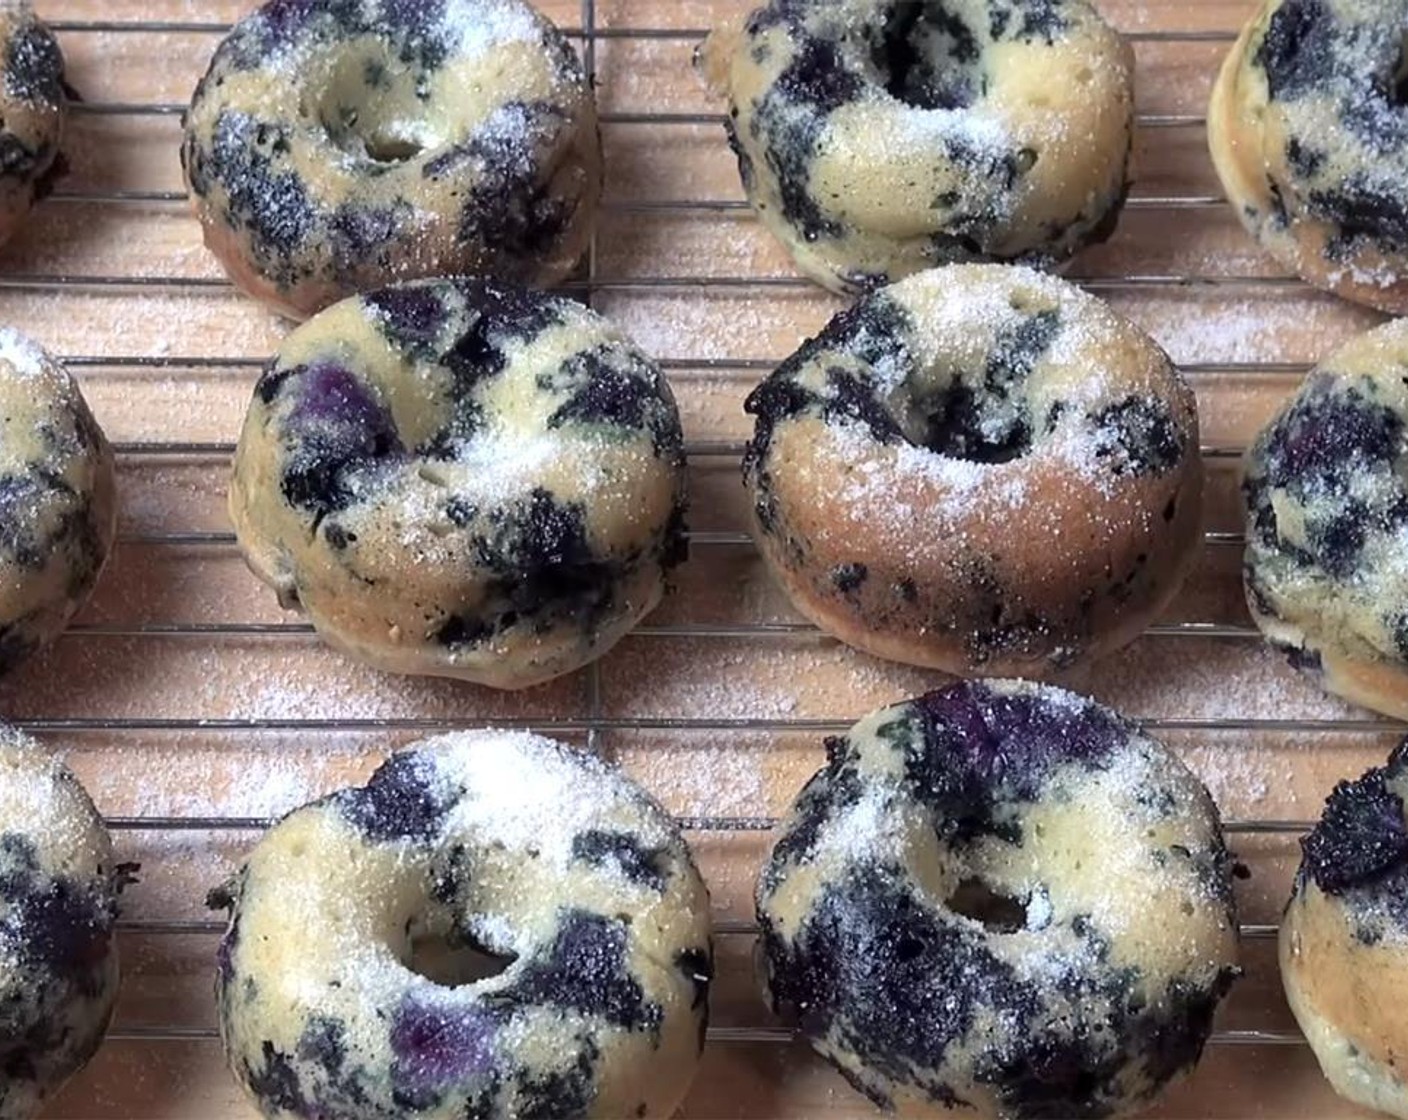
pixel 592 721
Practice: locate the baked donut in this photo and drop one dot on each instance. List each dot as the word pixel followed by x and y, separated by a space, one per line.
pixel 1344 938
pixel 58 902
pixel 58 506
pixel 1004 898
pixel 1308 132
pixel 877 138
pixel 335 148
pixel 464 479
pixel 1327 520
pixel 31 110
pixel 978 468
pixel 347 984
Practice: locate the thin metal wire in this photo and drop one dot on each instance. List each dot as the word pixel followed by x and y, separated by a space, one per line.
pixel 653 120
pixel 213 284
pixel 694 449
pixel 722 927
pixel 721 1035
pixel 684 34
pixel 627 206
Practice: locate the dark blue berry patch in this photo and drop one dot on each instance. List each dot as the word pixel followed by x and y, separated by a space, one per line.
pixel 34 65
pixel 405 799
pixel 1360 837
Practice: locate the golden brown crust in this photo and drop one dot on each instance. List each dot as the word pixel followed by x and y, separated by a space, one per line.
pixel 1322 488
pixel 1348 997
pixel 1249 137
pixel 1029 567
pixel 502 525
pixel 327 156
pixel 872 152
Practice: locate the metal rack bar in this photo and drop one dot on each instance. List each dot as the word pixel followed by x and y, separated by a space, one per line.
pixel 696 538
pixel 1134 282
pixel 174 361
pixel 695 449
pixel 690 630
pixel 723 1035
pixel 653 120
pixel 722 927
pixel 560 725
pixel 626 206
pixel 686 34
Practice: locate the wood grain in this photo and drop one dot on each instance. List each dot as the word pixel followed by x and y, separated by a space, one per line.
pixel 209 342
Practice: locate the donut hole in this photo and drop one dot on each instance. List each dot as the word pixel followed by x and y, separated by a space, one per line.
pixel 975 425
pixel 454 963
pixel 996 911
pixel 372 108
pixel 926 57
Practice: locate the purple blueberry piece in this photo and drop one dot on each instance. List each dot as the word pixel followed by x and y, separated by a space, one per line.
pixel 404 800
pixel 34 65
pixel 587 969
pixel 1325 431
pixel 340 428
pixel 411 317
pixel 979 745
pixel 1361 836
pixel 1296 51
pixel 437 1046
pixel 333 393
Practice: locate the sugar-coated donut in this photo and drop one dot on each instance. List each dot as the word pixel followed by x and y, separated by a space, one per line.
pixel 1002 898
pixel 978 468
pixel 32 103
pixel 876 138
pixel 332 148
pixel 58 505
pixel 465 479
pixel 1309 135
pixel 1344 938
pixel 339 989
pixel 1326 563
pixel 58 902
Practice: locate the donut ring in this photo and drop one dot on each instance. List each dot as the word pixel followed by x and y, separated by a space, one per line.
pixel 58 902
pixel 1344 938
pixel 1326 511
pixel 876 139
pixel 31 111
pixel 939 478
pixel 1001 897
pixel 58 503
pixel 336 148
pixel 503 843
pixel 1308 132
pixel 464 479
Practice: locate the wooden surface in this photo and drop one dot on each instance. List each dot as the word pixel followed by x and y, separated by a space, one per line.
pixel 696 666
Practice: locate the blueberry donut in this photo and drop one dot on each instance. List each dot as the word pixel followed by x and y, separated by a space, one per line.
pixel 333 148
pixel 31 110
pixel 1344 938
pixel 980 468
pixel 1327 518
pixel 58 507
pixel 464 479
pixel 58 903
pixel 1004 898
pixel 1308 131
pixel 876 138
pixel 495 926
